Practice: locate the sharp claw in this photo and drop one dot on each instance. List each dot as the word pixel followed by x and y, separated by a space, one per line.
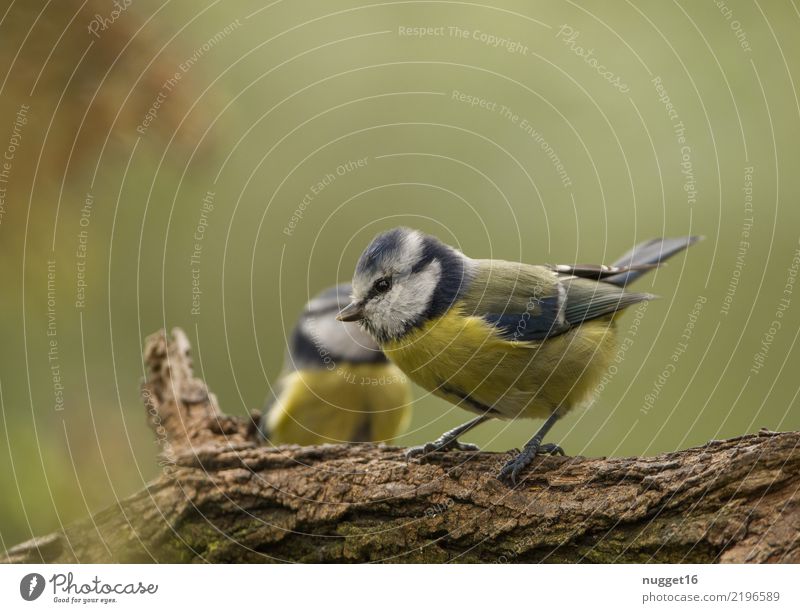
pixel 514 467
pixel 552 449
pixel 413 452
pixel 509 474
pixel 427 448
pixel 431 447
pixel 506 473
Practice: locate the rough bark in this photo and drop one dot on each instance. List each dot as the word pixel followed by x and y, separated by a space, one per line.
pixel 223 497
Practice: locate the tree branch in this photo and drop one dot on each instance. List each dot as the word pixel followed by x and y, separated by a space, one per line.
pixel 223 497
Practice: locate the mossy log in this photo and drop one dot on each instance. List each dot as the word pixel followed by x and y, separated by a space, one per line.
pixel 224 497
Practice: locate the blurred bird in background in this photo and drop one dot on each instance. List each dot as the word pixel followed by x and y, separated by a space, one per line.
pixel 336 385
pixel 501 339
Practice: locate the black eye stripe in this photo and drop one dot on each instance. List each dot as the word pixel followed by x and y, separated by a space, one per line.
pixel 381 286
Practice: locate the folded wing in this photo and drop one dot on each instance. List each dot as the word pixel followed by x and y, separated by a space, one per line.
pixel 532 303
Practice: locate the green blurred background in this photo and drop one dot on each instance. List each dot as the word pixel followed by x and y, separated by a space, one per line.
pixel 272 97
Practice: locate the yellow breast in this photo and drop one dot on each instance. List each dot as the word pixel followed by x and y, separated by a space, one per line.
pixel 456 355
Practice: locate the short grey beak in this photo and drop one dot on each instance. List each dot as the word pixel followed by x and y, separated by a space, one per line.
pixel 352 312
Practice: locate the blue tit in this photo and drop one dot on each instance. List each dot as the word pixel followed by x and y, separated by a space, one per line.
pixel 336 386
pixel 501 339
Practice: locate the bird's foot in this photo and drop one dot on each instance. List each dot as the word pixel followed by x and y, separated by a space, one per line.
pixel 440 445
pixel 512 469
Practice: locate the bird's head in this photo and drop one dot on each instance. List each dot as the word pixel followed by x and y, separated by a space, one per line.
pixel 402 279
pixel 319 341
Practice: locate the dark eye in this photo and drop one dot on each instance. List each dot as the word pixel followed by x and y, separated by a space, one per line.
pixel 382 285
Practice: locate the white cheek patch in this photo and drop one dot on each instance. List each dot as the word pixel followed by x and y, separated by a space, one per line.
pixel 408 299
pixel 413 296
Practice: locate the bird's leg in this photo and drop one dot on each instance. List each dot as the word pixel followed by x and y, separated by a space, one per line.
pixel 449 440
pixel 514 467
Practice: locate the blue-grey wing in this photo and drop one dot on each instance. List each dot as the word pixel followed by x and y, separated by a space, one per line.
pixel 533 303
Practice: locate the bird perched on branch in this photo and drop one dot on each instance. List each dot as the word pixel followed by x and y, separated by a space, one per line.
pixel 501 339
pixel 336 385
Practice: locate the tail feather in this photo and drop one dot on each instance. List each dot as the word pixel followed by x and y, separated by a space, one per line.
pixel 650 253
